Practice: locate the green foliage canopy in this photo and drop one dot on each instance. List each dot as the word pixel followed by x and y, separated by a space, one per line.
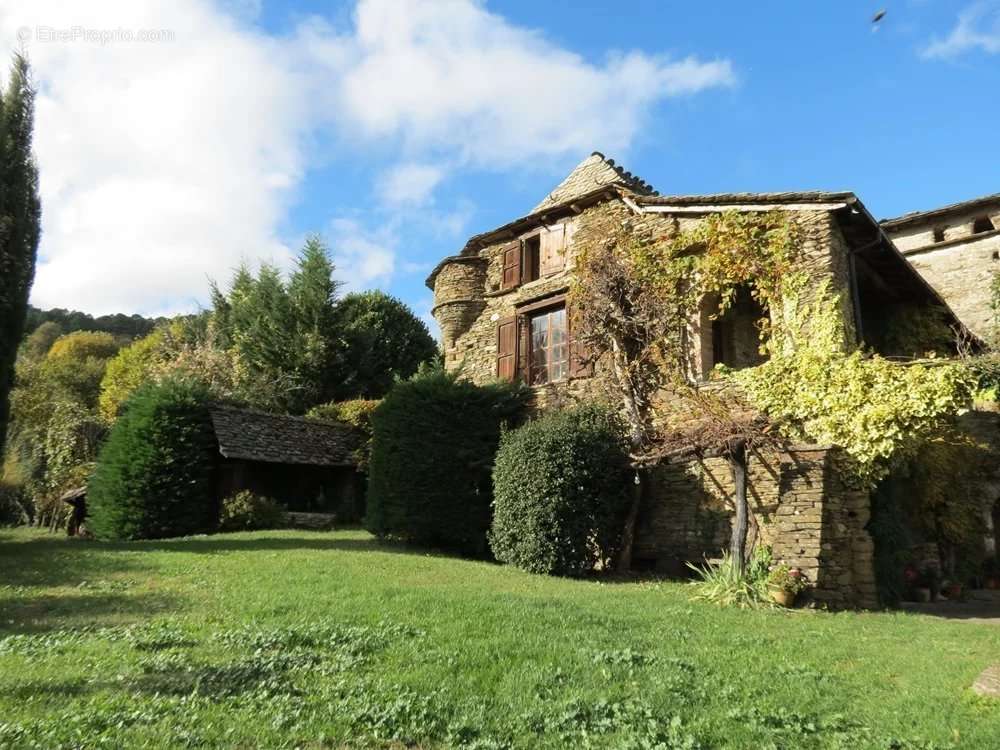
pixel 560 488
pixel 20 222
pixel 384 342
pixel 154 473
pixel 435 437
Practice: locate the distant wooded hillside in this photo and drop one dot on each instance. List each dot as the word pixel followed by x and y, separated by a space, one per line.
pixel 118 324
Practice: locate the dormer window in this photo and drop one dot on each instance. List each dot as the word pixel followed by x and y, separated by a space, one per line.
pixel 939 234
pixel 982 224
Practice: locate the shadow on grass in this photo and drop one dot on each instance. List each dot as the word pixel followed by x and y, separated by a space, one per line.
pixel 227 543
pixel 34 614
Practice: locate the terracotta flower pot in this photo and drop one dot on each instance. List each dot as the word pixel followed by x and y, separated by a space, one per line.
pixel 782 597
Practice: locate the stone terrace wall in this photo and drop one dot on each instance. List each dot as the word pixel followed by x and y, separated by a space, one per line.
pixel 799 505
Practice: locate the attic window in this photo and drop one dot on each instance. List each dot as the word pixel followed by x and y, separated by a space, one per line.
pixel 939 234
pixel 982 224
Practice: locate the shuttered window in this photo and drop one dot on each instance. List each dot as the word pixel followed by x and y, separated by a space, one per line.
pixel 552 254
pixel 507 349
pixel 511 264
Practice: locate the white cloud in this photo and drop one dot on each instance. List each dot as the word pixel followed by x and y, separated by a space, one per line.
pixel 160 163
pixel 409 184
pixel 978 27
pixel 448 76
pixel 166 163
pixel 363 257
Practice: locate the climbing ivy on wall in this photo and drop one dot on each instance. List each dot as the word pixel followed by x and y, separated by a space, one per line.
pixel 880 412
pixel 637 293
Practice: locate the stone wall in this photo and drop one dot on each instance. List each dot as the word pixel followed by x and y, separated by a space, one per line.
pixel 960 266
pixel 799 505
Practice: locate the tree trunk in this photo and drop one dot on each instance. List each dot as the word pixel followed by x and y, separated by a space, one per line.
pixel 624 562
pixel 737 457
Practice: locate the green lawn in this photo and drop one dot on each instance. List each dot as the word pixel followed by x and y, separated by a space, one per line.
pixel 296 639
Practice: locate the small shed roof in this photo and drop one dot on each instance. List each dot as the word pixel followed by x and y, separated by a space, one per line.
pixel 275 438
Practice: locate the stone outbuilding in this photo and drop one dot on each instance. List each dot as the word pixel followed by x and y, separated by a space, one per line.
pixel 309 466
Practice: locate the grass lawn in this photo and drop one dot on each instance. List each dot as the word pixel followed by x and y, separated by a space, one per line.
pixel 297 639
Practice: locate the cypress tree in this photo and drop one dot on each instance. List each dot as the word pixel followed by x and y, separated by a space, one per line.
pixel 20 219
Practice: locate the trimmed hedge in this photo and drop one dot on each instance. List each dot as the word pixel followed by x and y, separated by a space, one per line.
pixel 435 437
pixel 154 474
pixel 561 488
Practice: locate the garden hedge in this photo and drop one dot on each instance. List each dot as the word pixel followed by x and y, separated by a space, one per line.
pixel 434 440
pixel 561 492
pixel 154 475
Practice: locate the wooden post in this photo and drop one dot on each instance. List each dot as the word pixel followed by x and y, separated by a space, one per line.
pixel 737 457
pixel 624 562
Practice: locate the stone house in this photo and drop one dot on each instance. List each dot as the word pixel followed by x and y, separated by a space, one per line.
pixel 501 305
pixel 956 248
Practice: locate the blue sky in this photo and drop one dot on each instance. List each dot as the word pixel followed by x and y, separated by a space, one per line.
pixel 396 130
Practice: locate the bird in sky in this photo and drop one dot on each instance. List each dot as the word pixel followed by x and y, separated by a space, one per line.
pixel 878 16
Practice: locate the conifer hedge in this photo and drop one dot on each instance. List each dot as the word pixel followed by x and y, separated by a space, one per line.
pixel 435 437
pixel 154 474
pixel 561 490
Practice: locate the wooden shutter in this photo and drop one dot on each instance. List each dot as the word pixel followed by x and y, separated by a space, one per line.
pixel 510 255
pixel 552 253
pixel 580 363
pixel 507 349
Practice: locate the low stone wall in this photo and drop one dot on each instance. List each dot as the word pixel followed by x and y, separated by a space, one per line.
pixel 800 507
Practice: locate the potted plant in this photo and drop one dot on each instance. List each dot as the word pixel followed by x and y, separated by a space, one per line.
pixel 785 584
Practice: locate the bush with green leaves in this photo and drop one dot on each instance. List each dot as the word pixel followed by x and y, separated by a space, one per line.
pixel 435 437
pixel 14 505
pixel 247 511
pixel 154 475
pixel 358 414
pixel 561 488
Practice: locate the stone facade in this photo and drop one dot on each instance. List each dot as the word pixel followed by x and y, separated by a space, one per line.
pixel 801 507
pixel 954 259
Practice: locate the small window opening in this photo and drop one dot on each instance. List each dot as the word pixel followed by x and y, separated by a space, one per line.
pixel 939 234
pixel 982 224
pixel 736 333
pixel 532 258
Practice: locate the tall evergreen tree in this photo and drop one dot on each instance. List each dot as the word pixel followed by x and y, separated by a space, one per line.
pixel 20 221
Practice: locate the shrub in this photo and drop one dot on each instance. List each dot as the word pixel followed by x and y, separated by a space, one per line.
pixel 357 413
pixel 14 505
pixel 722 584
pixel 561 487
pixel 435 437
pixel 245 511
pixel 154 474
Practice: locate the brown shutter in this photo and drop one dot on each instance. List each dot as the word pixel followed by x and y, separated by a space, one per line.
pixel 552 254
pixel 510 255
pixel 580 363
pixel 507 348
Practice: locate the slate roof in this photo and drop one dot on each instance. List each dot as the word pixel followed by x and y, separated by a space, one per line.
pixel 274 438
pixel 594 172
pixel 936 213
pixel 799 196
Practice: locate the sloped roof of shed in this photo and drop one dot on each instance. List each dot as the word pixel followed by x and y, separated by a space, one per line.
pixel 594 172
pixel 275 438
